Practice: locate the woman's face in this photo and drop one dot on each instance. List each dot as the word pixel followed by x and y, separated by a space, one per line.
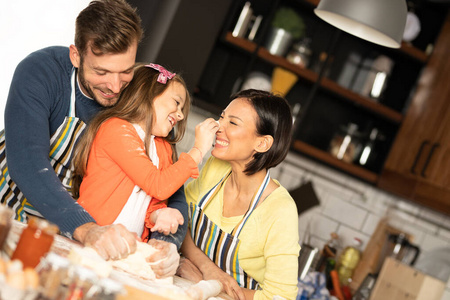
pixel 236 139
pixel 167 109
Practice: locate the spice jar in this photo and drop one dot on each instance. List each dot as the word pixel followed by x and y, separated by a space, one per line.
pixel 35 241
pixel 53 273
pixel 82 284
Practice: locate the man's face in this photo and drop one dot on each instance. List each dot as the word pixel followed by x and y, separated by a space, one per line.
pixel 104 77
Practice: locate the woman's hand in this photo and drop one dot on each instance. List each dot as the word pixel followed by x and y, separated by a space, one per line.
pixel 209 269
pixel 167 220
pixel 188 270
pixel 230 286
pixel 164 262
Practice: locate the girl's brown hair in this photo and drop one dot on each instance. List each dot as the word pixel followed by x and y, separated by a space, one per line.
pixel 135 105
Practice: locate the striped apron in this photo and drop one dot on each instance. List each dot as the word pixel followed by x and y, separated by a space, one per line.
pixel 62 145
pixel 221 247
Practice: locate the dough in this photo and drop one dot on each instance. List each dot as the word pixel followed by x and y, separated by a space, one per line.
pixel 204 289
pixel 134 263
pixel 89 258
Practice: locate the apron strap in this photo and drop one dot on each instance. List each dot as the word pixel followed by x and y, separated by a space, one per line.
pixel 237 230
pixel 255 200
pixel 206 199
pixel 73 79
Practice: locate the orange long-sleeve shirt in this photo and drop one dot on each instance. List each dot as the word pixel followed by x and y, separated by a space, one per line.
pixel 118 161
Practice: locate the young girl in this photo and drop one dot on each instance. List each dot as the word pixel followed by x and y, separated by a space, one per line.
pixel 127 158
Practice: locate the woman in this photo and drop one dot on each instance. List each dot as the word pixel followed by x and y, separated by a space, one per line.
pixel 243 224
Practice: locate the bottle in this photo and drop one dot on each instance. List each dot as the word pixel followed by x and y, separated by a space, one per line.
pixel 330 265
pixel 348 261
pixel 329 251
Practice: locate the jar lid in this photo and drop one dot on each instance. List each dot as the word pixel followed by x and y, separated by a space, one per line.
pixel 110 286
pixel 43 225
pixel 56 260
pixel 84 273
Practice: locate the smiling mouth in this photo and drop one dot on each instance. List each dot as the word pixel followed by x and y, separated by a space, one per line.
pixel 222 143
pixel 172 121
pixel 108 95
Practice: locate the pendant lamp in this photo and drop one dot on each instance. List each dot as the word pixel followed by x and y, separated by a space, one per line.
pixel 378 21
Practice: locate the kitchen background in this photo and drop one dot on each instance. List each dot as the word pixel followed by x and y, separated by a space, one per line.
pixel 348 206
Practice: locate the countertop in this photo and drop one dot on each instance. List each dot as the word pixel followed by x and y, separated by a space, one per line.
pixel 135 287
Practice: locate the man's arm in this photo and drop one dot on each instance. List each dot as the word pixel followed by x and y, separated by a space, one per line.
pixel 35 106
pixel 177 201
pixel 37 99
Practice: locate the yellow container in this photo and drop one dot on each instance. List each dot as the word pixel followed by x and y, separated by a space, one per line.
pixel 348 261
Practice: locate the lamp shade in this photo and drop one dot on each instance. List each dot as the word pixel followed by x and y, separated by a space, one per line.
pixel 378 21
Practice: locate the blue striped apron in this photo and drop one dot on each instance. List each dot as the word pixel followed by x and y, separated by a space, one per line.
pixel 62 144
pixel 222 247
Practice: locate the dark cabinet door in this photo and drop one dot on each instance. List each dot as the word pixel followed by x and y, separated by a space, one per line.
pixel 418 166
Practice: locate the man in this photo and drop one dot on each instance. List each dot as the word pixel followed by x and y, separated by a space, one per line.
pixel 53 95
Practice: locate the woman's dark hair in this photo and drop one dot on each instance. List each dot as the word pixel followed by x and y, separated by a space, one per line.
pixel 274 119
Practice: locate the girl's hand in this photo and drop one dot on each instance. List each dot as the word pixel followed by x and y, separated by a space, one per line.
pixel 205 133
pixel 167 220
pixel 165 261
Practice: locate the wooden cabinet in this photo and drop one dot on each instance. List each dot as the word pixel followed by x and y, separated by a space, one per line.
pixel 418 166
pixel 233 59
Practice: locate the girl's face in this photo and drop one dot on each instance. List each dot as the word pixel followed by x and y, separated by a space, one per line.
pixel 168 109
pixel 236 139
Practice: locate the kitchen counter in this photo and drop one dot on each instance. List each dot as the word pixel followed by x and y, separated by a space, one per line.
pixel 136 288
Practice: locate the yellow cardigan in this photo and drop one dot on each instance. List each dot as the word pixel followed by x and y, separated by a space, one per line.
pixel 269 240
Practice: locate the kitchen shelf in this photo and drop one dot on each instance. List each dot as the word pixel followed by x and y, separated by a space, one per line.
pixel 414 52
pixel 332 161
pixel 313 2
pixel 233 58
pixel 311 76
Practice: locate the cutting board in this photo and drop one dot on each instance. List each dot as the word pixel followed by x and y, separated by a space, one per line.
pixel 402 282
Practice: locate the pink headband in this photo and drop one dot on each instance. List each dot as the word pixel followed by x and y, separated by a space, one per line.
pixel 163 73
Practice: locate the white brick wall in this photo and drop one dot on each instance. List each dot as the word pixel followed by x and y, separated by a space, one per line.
pixel 349 207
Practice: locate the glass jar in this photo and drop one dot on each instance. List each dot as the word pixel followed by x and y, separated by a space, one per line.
pixel 53 273
pixel 300 53
pixel 82 284
pixel 346 144
pixel 35 241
